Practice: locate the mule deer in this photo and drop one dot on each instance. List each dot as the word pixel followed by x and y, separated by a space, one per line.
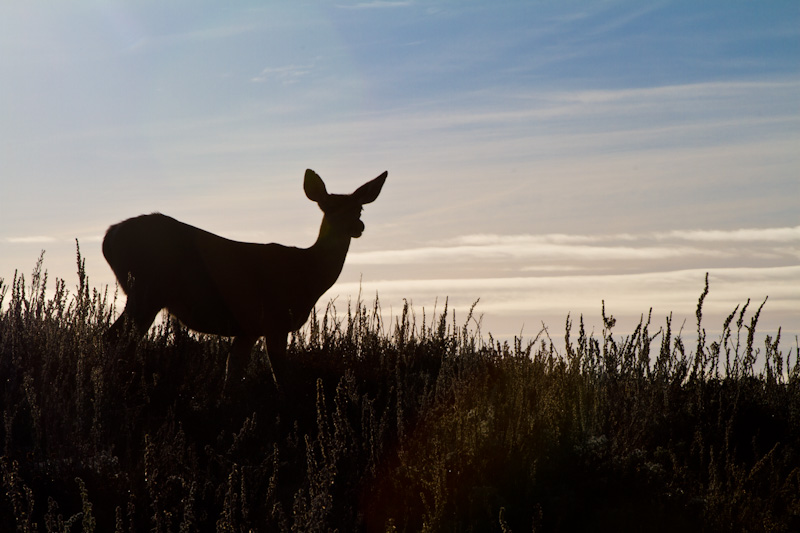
pixel 230 288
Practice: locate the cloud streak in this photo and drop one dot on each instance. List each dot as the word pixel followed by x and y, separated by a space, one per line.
pixel 287 74
pixel 32 239
pixel 377 4
pixel 776 235
pixel 589 248
pixel 511 303
pixel 527 250
pixel 527 278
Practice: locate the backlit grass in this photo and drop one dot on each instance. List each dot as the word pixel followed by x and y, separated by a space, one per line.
pixel 423 424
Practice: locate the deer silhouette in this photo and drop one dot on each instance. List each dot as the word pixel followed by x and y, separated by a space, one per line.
pixel 224 287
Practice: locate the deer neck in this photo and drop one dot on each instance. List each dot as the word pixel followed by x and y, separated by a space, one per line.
pixel 329 253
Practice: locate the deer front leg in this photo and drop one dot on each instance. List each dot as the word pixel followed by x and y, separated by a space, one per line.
pixel 276 352
pixel 238 358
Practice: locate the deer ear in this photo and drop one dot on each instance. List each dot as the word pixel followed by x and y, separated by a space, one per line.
pixel 314 186
pixel 368 192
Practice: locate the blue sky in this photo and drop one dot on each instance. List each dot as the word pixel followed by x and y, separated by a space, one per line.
pixel 542 156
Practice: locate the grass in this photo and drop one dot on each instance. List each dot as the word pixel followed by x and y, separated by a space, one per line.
pixel 419 425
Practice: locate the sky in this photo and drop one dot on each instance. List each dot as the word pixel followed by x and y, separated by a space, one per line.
pixel 544 158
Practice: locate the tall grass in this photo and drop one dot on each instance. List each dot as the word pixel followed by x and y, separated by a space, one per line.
pixel 422 424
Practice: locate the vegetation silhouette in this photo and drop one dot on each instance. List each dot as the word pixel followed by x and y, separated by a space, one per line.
pixel 422 424
pixel 236 289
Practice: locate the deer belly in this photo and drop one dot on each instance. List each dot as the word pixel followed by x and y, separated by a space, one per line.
pixel 207 314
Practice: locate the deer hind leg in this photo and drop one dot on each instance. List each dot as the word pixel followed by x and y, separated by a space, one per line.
pixel 135 319
pixel 117 329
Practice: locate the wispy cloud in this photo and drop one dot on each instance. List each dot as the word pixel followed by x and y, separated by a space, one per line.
pixel 531 249
pixel 287 74
pixel 514 303
pixel 777 235
pixel 752 100
pixel 623 20
pixel 617 247
pixel 31 239
pixel 376 4
pixel 211 33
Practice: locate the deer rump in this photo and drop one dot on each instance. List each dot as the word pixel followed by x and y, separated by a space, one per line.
pixel 211 284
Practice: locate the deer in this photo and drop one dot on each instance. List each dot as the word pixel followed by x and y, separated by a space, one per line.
pixel 230 288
